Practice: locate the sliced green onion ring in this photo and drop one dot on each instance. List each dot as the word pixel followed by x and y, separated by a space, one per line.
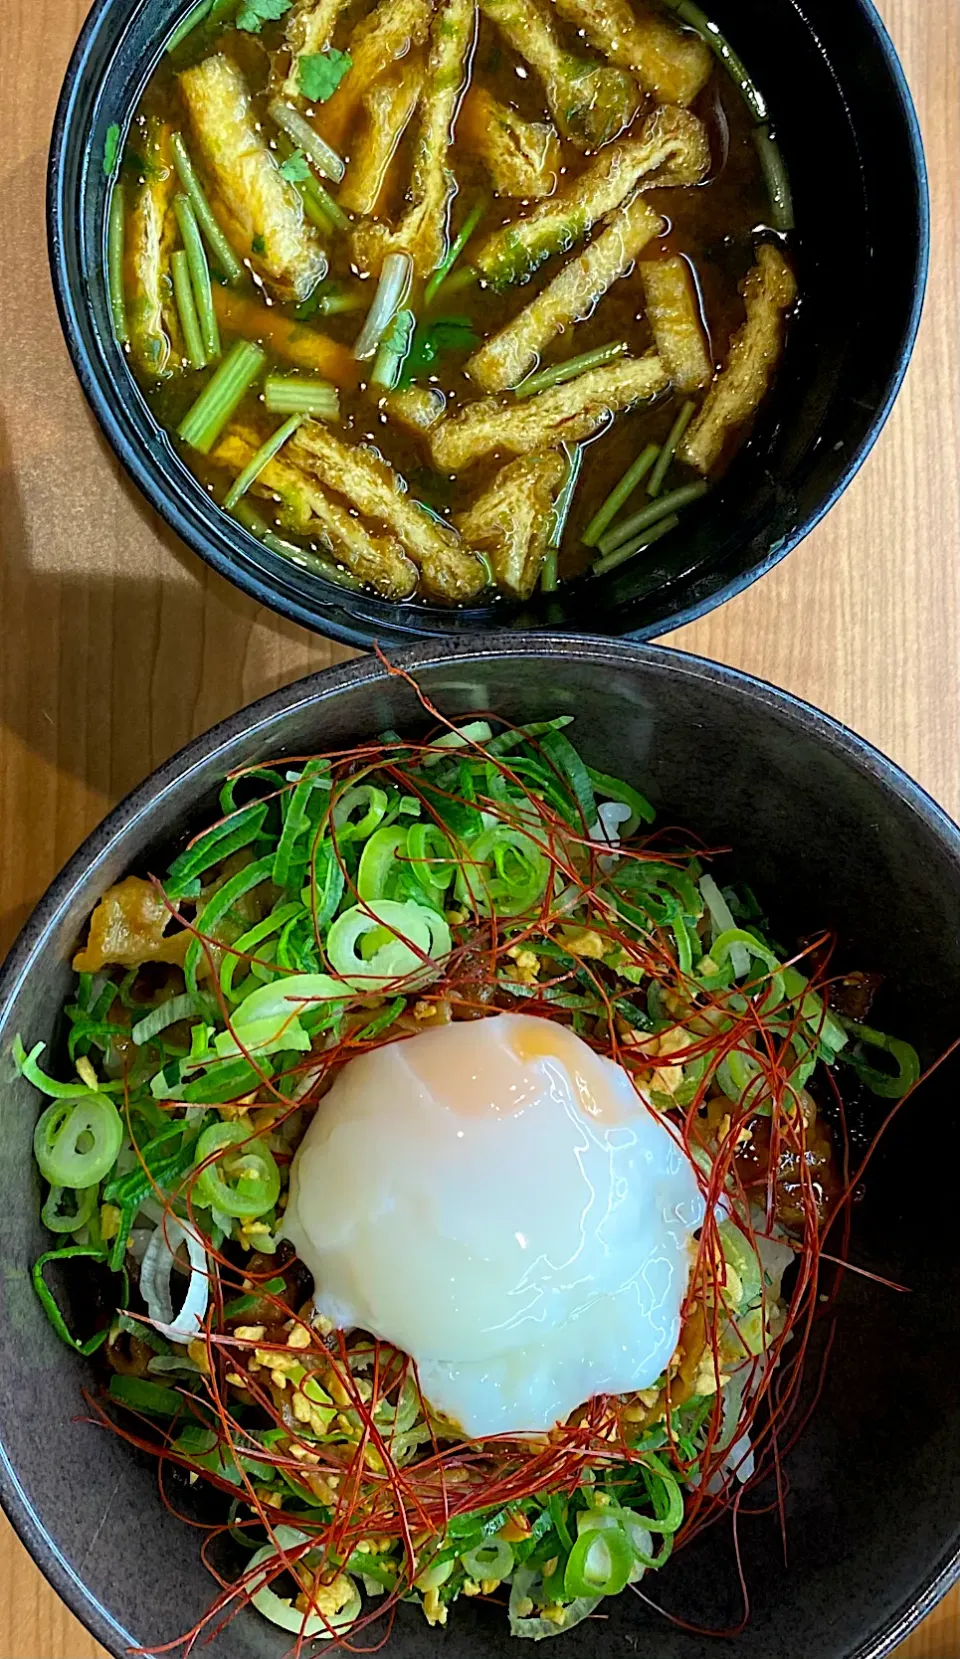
pixel 885 1084
pixel 410 932
pixel 76 1142
pixel 310 1626
pixel 59 1220
pixel 243 1182
pixel 491 1559
pixel 599 1563
pixel 503 872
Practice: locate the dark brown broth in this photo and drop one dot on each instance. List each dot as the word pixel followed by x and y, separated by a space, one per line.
pixel 712 225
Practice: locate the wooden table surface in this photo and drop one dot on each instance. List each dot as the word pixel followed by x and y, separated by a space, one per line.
pixel 119 645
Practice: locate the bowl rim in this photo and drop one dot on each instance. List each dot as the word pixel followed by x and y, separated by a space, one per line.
pixel 316 689
pixel 329 616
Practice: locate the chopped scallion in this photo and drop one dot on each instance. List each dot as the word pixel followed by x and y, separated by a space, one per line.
pixel 627 551
pixel 306 138
pixel 393 352
pixel 116 234
pixel 470 223
pixel 777 180
pixel 620 494
pixel 392 290
pixel 263 457
pixel 222 396
pixel 557 373
pixel 669 450
pixel 295 394
pixel 661 508
pixel 199 276
pixel 187 310
pixel 187 24
pixel 216 241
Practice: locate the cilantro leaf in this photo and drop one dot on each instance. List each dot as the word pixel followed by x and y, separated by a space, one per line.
pixel 434 340
pixel 295 168
pixel 258 245
pixel 253 14
pixel 111 149
pixel 321 73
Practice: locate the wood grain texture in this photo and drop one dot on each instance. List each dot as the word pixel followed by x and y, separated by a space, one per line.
pixel 119 646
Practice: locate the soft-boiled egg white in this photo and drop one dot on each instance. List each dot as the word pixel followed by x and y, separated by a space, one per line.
pixel 499 1202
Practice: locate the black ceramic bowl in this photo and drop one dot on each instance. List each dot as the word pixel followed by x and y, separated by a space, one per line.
pixel 848 130
pixel 829 833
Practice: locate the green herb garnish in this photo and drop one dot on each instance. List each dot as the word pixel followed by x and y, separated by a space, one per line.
pixel 296 168
pixel 111 149
pixel 434 340
pixel 253 14
pixel 320 73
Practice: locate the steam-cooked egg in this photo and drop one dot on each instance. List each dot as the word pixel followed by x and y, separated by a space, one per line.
pixel 497 1200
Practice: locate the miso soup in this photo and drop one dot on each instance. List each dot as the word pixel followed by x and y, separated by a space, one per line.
pixel 448 300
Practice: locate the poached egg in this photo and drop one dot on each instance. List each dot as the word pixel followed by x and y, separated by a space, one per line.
pixel 500 1202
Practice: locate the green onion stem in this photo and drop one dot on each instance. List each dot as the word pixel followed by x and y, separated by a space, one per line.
pixel 222 396
pixel 455 284
pixel 549 572
pixel 574 366
pixel 321 208
pixel 331 305
pixel 470 223
pixel 314 212
pixel 622 492
pixel 187 310
pixel 669 450
pixel 327 204
pixel 297 127
pixel 622 554
pixel 293 394
pixel 651 515
pixel 263 457
pixel 699 21
pixel 116 231
pixel 564 501
pixel 248 516
pixel 195 15
pixel 777 179
pixel 393 352
pixel 199 276
pixel 219 246
pixel 222 12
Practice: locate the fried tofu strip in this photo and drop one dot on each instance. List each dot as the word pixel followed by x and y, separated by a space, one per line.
pixel 671 65
pixel 769 292
pixel 391 31
pixel 521 157
pixel 510 521
pixel 671 148
pixel 150 236
pixel 265 212
pixel 564 414
pixel 305 348
pixel 423 228
pixel 504 360
pixel 591 103
pixel 673 310
pixel 129 927
pixel 417 408
pixel 448 569
pixel 387 109
pixel 310 27
pixel 308 510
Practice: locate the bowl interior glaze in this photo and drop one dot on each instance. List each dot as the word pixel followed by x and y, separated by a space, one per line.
pixel 846 124
pixel 829 833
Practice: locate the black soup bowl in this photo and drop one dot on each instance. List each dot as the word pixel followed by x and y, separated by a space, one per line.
pixel 847 128
pixel 830 834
